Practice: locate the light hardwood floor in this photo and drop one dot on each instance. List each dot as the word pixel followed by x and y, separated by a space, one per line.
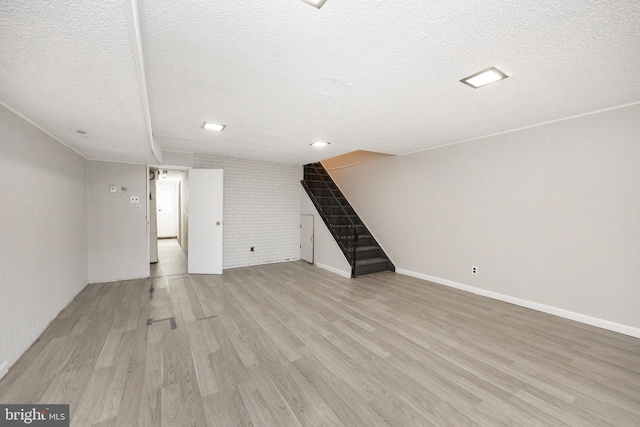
pixel 292 345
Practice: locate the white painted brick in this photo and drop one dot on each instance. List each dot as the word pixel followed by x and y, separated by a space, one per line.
pixel 261 209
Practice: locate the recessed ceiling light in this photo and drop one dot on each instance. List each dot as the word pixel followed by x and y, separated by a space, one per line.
pixel 315 3
pixel 483 78
pixel 213 126
pixel 319 144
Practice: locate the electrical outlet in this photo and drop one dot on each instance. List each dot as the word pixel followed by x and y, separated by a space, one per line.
pixel 135 199
pixel 253 249
pixel 112 189
pixel 474 270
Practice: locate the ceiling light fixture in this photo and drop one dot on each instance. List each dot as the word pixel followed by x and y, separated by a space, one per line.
pixel 213 126
pixel 485 77
pixel 315 3
pixel 319 144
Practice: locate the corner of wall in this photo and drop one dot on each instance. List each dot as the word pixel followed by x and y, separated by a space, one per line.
pixel 4 369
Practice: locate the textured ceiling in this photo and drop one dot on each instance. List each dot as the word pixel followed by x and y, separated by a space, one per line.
pixel 376 75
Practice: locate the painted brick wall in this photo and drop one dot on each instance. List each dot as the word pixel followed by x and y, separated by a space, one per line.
pixel 261 209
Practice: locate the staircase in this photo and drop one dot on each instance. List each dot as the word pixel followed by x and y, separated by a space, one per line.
pixel 358 245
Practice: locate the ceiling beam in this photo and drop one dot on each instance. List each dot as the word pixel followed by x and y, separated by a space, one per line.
pixel 135 32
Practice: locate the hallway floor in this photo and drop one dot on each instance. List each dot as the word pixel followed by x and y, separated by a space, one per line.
pixel 171 259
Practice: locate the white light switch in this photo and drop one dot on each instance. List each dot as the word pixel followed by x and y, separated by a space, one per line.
pixel 135 199
pixel 112 189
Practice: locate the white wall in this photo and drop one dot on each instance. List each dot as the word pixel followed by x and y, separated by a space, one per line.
pixel 261 209
pixel 117 231
pixel 184 213
pixel 550 215
pixel 43 243
pixel 176 159
pixel 326 252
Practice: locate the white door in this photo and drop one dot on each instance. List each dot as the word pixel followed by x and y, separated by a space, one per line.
pixel 306 238
pixel 205 221
pixel 153 222
pixel 167 206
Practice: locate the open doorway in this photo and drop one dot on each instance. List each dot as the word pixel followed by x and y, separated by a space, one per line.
pixel 167 221
pixel 168 209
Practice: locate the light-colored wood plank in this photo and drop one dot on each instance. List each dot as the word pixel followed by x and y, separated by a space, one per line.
pixel 294 345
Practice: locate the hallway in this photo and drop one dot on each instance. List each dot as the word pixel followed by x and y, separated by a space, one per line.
pixel 171 259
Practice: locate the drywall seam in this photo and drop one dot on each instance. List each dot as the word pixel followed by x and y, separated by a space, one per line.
pixel 582 318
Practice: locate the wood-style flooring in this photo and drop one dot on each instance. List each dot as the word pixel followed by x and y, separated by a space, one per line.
pixel 292 345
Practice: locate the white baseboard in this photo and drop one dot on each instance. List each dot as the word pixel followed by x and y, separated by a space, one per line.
pixel 346 274
pixel 578 317
pixel 4 368
pixel 229 267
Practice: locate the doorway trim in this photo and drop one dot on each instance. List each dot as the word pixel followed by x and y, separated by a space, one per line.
pixel 307 238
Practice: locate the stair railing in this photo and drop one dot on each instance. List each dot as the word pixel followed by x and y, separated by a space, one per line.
pixel 351 226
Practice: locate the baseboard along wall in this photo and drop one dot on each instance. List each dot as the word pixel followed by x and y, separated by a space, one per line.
pixel 578 317
pixel 346 274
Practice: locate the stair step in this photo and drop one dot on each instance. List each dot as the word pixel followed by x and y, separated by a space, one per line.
pixel 358 226
pixel 343 222
pixel 371 261
pixel 371 265
pixel 366 248
pixel 365 252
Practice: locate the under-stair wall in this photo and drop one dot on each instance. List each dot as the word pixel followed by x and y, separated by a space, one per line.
pixel 359 247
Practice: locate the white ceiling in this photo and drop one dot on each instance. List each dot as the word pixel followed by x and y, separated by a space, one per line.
pixel 377 75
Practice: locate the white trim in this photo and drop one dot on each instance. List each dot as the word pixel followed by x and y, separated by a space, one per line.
pixel 43 130
pixel 578 317
pixel 521 128
pixel 231 267
pixel 346 274
pixel 135 33
pixel 4 369
pixel 177 151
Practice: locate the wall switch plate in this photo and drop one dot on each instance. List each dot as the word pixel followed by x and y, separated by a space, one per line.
pixel 112 189
pixel 135 199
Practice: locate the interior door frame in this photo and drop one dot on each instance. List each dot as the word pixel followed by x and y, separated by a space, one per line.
pixel 149 167
pixel 176 201
pixel 303 237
